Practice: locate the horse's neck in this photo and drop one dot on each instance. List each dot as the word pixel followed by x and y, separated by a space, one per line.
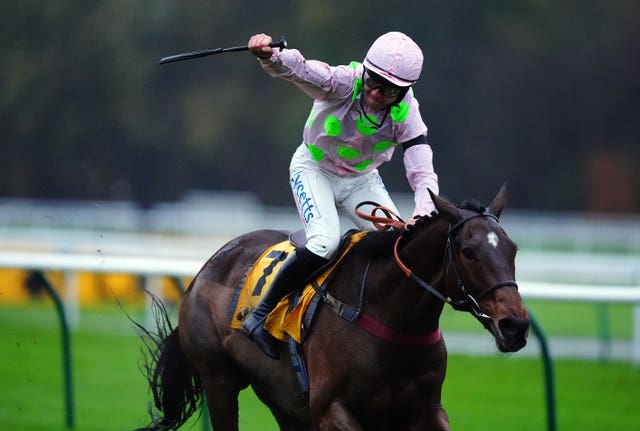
pixel 399 300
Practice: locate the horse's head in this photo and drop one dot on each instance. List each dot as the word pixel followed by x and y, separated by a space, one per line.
pixel 481 270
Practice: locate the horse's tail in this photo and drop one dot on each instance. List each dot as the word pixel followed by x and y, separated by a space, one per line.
pixel 174 382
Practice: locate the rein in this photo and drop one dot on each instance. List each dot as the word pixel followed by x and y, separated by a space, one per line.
pixel 371 325
pixel 365 322
pixel 468 302
pixel 392 220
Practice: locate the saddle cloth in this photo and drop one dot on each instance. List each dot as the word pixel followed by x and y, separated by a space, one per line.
pixel 287 318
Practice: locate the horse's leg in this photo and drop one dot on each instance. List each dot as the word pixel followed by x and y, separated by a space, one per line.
pixel 337 417
pixel 222 390
pixel 202 339
pixel 328 413
pixel 222 384
pixel 287 423
pixel 434 419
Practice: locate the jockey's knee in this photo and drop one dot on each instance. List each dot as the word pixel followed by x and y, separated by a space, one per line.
pixel 323 245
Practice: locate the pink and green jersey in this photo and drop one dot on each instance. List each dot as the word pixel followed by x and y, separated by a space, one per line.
pixel 344 139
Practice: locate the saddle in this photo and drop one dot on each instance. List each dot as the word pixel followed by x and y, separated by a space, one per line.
pixel 294 312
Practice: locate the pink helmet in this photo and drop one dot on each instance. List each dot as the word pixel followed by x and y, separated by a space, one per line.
pixel 395 57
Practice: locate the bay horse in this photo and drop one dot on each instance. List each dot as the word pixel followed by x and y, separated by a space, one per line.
pixel 385 375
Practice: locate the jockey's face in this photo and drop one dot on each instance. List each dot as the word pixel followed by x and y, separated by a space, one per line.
pixel 379 93
pixel 375 99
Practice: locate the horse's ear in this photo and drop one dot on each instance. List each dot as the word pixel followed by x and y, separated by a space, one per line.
pixel 443 206
pixel 499 202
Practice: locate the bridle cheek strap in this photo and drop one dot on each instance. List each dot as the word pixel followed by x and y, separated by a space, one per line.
pixel 468 302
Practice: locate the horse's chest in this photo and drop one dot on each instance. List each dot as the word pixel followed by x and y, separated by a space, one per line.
pixel 398 407
pixel 383 387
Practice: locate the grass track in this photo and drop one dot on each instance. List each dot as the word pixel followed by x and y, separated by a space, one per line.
pixel 480 393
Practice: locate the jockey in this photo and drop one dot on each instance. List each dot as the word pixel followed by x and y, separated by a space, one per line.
pixel 361 112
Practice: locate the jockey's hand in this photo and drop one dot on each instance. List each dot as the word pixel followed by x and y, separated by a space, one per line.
pixel 411 222
pixel 259 45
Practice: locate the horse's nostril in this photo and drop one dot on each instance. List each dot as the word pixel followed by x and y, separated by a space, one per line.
pixel 513 327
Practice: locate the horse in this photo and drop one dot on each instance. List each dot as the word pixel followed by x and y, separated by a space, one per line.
pixel 382 369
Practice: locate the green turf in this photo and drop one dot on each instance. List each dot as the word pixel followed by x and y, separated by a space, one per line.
pixel 110 392
pixel 562 319
pixel 480 393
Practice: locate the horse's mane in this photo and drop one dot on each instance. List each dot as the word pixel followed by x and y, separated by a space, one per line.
pixel 381 242
pixel 473 205
pixel 378 243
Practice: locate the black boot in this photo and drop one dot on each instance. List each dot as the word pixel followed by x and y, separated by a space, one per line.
pixel 294 272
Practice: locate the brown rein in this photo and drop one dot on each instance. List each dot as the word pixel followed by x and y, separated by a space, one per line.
pixel 469 302
pixel 392 220
pixel 380 330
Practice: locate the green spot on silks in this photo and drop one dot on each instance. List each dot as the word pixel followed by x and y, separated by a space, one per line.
pixel 316 153
pixel 348 153
pixel 382 146
pixel 332 126
pixel 362 165
pixel 357 88
pixel 365 126
pixel 312 116
pixel 399 112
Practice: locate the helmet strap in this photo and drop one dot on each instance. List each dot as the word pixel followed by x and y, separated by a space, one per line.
pixel 403 93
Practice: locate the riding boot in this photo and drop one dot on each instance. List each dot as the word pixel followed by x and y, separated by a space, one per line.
pixel 293 273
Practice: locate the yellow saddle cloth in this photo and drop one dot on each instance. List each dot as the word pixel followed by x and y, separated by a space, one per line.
pixel 285 320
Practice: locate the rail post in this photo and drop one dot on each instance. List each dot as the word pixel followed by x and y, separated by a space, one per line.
pixel 66 348
pixel 550 393
pixel 604 331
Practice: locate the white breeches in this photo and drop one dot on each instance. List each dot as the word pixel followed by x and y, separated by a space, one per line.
pixel 320 194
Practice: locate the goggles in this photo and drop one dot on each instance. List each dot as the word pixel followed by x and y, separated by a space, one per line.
pixel 374 81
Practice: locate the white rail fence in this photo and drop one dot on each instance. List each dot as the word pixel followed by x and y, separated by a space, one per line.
pixel 154 268
pixel 214 213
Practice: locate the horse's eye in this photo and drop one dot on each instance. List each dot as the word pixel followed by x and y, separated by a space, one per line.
pixel 468 253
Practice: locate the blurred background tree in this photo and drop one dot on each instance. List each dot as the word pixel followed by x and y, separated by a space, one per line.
pixel 539 93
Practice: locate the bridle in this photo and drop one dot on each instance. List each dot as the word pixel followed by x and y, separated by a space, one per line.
pixel 468 301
